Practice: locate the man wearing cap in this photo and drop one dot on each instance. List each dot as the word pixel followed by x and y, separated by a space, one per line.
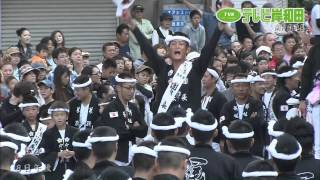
pixel 244 107
pixel 205 162
pixel 143 76
pixel 85 58
pixel 288 81
pixel 124 116
pixel 213 100
pixel 35 129
pixel 179 83
pixel 159 34
pixel 264 51
pixel 15 55
pixel 84 110
pixel 46 92
pixel 28 73
pixel 144 26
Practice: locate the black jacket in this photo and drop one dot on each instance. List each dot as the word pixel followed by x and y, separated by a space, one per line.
pixel 75 108
pixel 25 56
pixel 114 115
pixel 52 144
pixel 162 70
pixel 310 69
pixel 288 176
pixel 230 113
pixel 99 167
pixel 205 163
pixel 279 104
pixel 216 103
pixel 243 159
pixel 165 177
pixel 308 167
pixel 10 113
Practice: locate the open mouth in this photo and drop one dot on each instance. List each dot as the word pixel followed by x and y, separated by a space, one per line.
pixel 177 52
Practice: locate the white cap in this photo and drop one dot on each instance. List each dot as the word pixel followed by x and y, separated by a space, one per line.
pixel 263 48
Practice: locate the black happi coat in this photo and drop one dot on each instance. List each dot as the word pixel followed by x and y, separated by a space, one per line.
pixel 165 177
pixel 102 165
pixel 288 176
pixel 75 108
pixel 10 113
pixel 230 113
pixel 308 167
pixel 215 103
pixel 189 95
pixel 243 158
pixel 114 115
pixel 205 163
pixel 279 104
pixel 52 144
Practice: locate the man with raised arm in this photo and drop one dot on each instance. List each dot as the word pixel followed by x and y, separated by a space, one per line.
pixel 179 83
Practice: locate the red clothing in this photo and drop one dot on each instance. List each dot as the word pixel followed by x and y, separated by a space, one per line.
pixel 273 63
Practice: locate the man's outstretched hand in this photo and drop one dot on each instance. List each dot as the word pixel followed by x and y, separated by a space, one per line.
pixel 127 19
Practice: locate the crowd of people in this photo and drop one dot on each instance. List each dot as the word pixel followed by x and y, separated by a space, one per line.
pixel 214 101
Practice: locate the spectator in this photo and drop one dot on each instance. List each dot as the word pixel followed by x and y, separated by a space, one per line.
pixel 62 88
pixel 161 33
pixel 13 56
pixel 259 169
pixel 49 43
pixel 236 46
pixel 11 81
pixel 108 71
pixel 289 41
pixel 269 39
pixel 144 26
pixel 24 44
pixel 42 53
pixel 85 58
pixel 247 29
pixel 28 73
pixel 247 43
pixel 195 31
pixel 278 52
pixel 75 55
pixel 109 51
pixel 210 21
pixel 58 39
pixel 122 34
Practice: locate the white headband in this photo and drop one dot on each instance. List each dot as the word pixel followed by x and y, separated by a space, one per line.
pixel 171 38
pixel 83 84
pixel 213 73
pixel 81 144
pixel 102 139
pixel 181 120
pixel 272 149
pixel 9 145
pixel 287 74
pixel 202 127
pixel 260 173
pixel 271 131
pixel 15 136
pixel 239 81
pixel 120 80
pixel 143 150
pixel 29 171
pixel 269 73
pixel 230 135
pixel 293 101
pixel 23 105
pixel 298 64
pixel 166 148
pixel 45 119
pixel 254 79
pixel 58 110
pixel 165 128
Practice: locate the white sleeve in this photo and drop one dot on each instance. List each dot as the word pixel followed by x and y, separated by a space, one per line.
pixel 155 38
